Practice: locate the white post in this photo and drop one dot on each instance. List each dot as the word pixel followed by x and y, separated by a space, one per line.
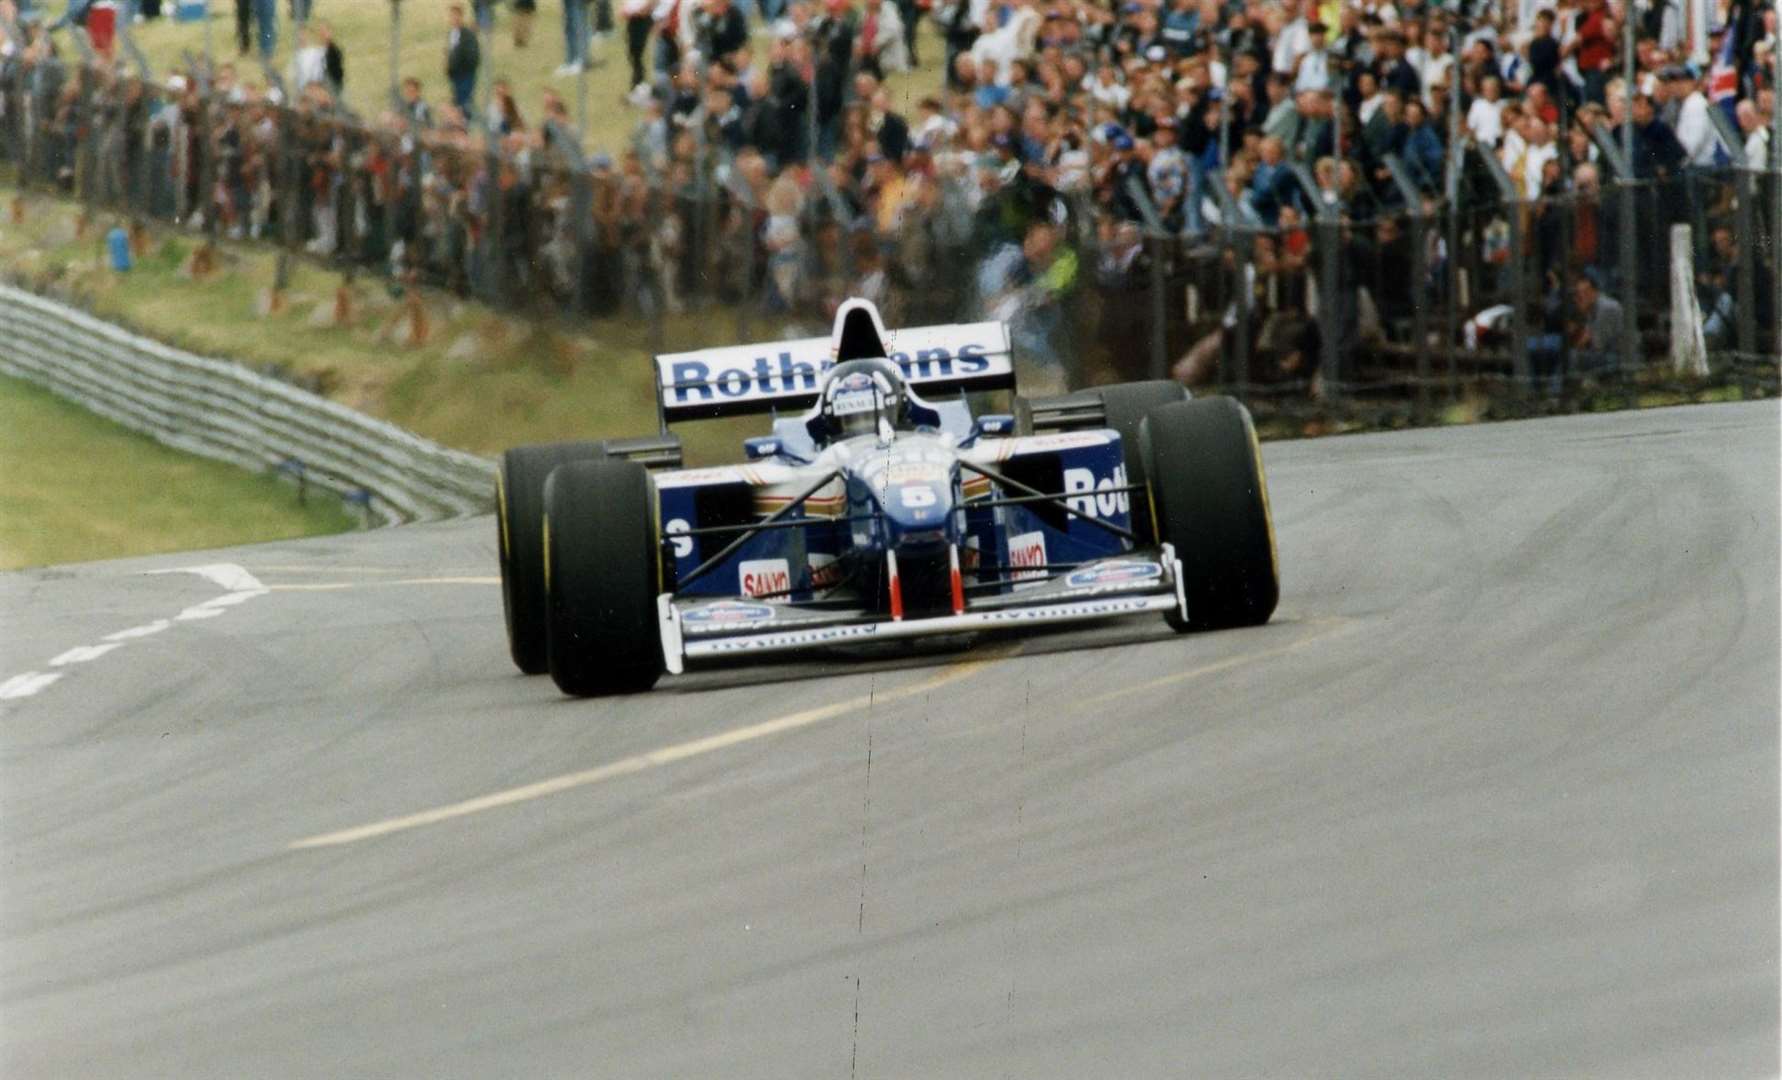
pixel 1689 351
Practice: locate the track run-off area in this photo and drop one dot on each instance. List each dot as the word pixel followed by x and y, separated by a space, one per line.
pixel 1495 794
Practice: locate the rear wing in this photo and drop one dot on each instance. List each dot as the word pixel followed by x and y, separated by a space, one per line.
pixel 784 375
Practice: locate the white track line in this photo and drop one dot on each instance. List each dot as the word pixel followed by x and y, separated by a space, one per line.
pixel 80 654
pixel 23 686
pixel 140 631
pixel 239 585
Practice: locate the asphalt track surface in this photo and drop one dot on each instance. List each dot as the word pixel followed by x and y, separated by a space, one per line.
pixel 1496 794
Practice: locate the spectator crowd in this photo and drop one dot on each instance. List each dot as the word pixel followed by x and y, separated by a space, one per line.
pixel 1065 146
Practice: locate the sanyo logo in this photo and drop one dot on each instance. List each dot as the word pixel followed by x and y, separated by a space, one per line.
pixel 694 380
pixel 765 578
pixel 1096 498
pixel 1027 556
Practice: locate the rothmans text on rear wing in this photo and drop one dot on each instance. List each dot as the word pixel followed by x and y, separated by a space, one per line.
pixel 785 375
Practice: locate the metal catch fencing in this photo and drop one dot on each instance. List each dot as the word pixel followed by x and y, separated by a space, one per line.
pixel 1325 283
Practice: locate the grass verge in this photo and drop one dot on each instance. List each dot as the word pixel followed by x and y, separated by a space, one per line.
pixel 75 487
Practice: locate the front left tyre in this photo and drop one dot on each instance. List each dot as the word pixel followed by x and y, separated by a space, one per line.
pixel 1210 499
pixel 603 571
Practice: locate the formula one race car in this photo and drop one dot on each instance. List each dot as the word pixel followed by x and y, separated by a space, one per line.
pixel 883 510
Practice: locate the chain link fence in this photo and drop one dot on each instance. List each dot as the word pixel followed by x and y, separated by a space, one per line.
pixel 1400 288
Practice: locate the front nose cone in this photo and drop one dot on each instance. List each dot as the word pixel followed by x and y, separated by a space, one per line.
pixel 919 512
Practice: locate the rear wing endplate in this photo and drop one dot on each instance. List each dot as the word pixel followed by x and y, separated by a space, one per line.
pixel 784 375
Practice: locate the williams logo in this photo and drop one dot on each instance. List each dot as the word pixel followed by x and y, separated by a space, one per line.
pixel 1125 572
pixel 727 613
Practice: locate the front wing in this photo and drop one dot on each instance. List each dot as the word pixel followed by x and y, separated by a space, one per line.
pixel 1128 584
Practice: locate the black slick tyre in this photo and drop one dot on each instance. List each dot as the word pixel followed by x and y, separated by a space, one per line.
pixel 1210 500
pixel 602 575
pixel 1124 406
pixel 519 521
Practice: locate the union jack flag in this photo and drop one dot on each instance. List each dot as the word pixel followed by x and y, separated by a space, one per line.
pixel 1723 74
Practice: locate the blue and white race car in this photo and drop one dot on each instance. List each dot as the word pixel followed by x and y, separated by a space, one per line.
pixel 885 509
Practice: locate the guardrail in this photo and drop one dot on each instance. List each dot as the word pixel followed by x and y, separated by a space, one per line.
pixel 217 409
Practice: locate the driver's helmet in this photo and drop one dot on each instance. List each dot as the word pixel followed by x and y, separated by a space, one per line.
pixel 859 394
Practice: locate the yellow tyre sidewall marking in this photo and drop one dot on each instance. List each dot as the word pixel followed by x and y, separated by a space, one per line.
pixel 656 536
pixel 546 524
pixel 1268 514
pixel 501 511
pixel 1151 497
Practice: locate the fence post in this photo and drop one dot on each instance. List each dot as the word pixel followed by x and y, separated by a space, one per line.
pixel 352 195
pixel 1156 234
pixel 1451 212
pixel 1747 245
pixel 1511 199
pixel 495 236
pixel 1413 197
pixel 86 131
pixel 657 276
pixel 209 55
pixel 392 148
pixel 1630 275
pixel 1776 182
pixel 841 215
pixel 1237 244
pixel 1330 291
pixel 1419 306
pixel 745 199
pixel 395 52
pixel 568 148
pixel 1688 352
pixel 290 178
pixel 1520 294
pixel 207 178
pixel 12 104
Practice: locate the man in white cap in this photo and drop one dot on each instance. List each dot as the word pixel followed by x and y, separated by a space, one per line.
pixel 1314 64
pixel 1694 130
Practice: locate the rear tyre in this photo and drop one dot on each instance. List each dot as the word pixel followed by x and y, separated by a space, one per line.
pixel 1210 500
pixel 1122 407
pixel 602 576
pixel 1125 406
pixel 519 519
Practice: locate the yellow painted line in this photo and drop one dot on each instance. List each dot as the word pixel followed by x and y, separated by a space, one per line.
pixel 1336 626
pixel 638 763
pixel 336 586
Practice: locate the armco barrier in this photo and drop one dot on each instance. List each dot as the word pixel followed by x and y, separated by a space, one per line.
pixel 221 410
